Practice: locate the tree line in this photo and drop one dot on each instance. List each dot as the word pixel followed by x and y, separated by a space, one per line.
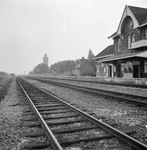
pixel 62 66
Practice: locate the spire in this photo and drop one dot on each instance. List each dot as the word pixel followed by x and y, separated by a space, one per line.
pixel 45 59
pixel 45 55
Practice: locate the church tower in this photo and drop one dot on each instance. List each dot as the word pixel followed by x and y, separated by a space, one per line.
pixel 45 59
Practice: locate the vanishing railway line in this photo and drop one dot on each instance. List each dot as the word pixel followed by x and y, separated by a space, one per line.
pixel 125 84
pixel 139 100
pixel 58 118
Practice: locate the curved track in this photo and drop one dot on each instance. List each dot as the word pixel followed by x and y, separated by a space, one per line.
pixel 52 112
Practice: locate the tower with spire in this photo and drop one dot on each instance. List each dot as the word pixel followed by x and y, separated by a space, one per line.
pixel 45 59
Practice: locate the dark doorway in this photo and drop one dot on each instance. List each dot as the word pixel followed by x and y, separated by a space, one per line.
pixel 136 71
pixel 109 71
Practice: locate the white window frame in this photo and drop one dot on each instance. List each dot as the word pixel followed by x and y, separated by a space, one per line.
pixel 129 41
pixel 112 69
pixel 133 37
pixel 119 45
pixel 145 33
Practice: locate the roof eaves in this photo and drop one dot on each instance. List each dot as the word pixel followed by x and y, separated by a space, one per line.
pixel 103 56
pixel 113 35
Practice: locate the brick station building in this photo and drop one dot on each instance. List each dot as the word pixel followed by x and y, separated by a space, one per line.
pixel 127 57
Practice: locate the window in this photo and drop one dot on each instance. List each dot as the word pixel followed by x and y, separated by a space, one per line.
pixel 145 33
pixel 98 68
pixel 145 66
pixel 119 45
pixel 129 41
pixel 133 37
pixel 127 67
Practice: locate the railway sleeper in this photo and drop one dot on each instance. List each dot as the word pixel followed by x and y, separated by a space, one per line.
pixel 62 130
pixel 48 105
pixel 56 112
pixel 56 117
pixel 37 145
pixel 51 108
pixel 89 138
pixel 46 109
pixel 36 124
pixel 62 122
pixel 40 102
pixel 50 117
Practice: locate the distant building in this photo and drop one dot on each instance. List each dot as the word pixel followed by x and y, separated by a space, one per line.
pixel 45 59
pixel 83 68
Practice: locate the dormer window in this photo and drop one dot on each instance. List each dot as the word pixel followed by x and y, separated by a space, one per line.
pixel 119 45
pixel 133 37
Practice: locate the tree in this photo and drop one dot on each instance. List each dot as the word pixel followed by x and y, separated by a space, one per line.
pixel 62 66
pixel 3 73
pixel 91 60
pixel 12 74
pixel 90 55
pixel 41 68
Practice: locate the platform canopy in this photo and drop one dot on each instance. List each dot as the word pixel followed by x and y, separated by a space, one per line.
pixel 124 56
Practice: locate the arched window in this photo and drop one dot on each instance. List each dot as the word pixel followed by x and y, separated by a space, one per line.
pixel 119 45
pixel 145 33
pixel 129 41
pixel 133 37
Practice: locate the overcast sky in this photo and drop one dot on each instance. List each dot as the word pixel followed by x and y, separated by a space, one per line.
pixel 63 29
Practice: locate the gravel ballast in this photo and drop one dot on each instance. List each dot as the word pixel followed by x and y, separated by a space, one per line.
pixel 11 127
pixel 127 116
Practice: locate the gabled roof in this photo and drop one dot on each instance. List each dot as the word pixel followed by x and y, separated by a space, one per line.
pixel 108 51
pixel 139 16
pixel 81 62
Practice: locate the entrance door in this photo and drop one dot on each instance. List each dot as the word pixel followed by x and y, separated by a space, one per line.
pixel 136 71
pixel 109 71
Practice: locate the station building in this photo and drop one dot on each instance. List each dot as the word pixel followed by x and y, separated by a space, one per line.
pixel 127 56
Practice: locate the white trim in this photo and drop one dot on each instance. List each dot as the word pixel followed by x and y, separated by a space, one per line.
pixel 143 25
pixel 112 72
pixel 126 12
pixel 103 56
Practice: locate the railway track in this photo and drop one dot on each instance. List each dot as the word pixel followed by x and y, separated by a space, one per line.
pixel 139 100
pixel 98 82
pixel 61 122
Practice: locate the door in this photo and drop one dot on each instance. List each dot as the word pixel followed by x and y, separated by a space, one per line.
pixel 136 71
pixel 109 71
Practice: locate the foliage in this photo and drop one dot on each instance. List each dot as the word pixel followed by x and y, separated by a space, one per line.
pixel 90 55
pixel 41 68
pixel 91 60
pixel 3 73
pixel 12 74
pixel 62 66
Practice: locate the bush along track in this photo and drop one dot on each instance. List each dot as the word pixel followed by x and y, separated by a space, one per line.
pixel 4 89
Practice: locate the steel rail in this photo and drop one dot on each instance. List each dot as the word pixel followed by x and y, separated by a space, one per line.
pixel 90 88
pixel 99 91
pixel 96 82
pixel 55 144
pixel 124 137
